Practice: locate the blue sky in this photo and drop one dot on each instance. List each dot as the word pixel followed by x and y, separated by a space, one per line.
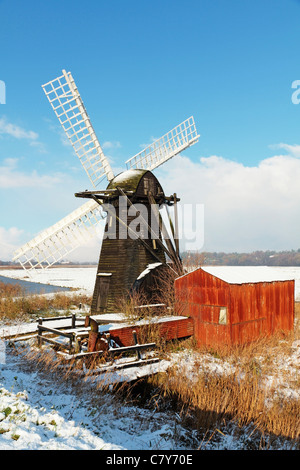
pixel 141 68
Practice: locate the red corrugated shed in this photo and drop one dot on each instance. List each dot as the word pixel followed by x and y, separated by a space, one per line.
pixel 233 308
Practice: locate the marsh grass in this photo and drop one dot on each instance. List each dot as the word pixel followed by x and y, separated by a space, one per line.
pixel 258 388
pixel 16 305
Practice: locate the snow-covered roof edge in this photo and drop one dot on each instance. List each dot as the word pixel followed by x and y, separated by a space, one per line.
pixel 244 274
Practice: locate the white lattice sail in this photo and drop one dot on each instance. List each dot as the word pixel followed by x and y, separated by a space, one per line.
pixel 54 243
pixel 175 141
pixel 68 106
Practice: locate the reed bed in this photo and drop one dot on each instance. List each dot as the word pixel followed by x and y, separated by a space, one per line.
pixel 257 388
pixel 16 305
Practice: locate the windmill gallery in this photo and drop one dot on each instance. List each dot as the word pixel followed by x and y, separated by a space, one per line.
pixel 138 247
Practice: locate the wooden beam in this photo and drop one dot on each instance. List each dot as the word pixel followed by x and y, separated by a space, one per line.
pixel 150 230
pixel 141 240
pixel 173 254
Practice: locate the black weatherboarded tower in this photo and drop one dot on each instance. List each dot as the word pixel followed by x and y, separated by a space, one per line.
pixel 133 236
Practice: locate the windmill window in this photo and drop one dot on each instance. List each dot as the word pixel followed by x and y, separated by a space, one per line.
pixel 149 185
pixel 223 316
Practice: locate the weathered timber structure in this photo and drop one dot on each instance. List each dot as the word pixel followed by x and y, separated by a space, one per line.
pixel 132 248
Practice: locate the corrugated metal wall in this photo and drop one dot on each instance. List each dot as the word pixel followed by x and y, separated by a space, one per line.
pixel 226 313
pixel 169 329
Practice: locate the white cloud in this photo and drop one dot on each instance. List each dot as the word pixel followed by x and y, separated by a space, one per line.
pixel 11 177
pixel 246 208
pixel 291 149
pixel 16 131
pixel 111 145
pixel 88 252
pixel 10 240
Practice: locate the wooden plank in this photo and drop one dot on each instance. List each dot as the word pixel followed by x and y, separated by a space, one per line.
pixel 22 338
pixel 126 365
pixel 52 341
pixel 55 331
pixel 112 351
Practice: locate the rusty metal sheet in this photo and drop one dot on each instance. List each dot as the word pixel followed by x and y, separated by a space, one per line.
pixel 253 309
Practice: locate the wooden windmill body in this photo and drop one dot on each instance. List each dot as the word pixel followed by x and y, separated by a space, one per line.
pixel 132 240
pixel 126 251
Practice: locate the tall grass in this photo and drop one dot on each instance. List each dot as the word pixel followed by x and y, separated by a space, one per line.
pixel 254 389
pixel 252 394
pixel 16 305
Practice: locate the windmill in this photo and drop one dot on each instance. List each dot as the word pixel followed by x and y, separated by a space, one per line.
pixel 125 257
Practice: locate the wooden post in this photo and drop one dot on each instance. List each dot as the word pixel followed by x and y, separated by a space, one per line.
pixel 73 320
pixel 77 348
pixel 71 344
pixel 176 234
pixel 111 355
pixel 139 356
pixel 40 332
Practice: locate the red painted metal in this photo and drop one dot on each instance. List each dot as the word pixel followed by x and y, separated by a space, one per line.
pixel 168 329
pixel 252 309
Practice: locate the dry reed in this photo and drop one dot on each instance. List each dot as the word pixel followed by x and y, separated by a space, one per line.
pixel 16 305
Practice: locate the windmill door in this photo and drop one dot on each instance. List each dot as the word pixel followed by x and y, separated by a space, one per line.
pixel 103 280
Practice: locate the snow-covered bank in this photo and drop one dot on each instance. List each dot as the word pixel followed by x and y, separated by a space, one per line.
pixel 38 414
pixel 82 278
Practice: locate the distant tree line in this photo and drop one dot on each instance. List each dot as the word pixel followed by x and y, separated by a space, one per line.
pixel 256 258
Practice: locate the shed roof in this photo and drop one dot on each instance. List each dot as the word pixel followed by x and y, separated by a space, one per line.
pixel 247 274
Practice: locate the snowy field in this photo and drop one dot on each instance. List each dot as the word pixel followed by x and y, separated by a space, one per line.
pixel 36 413
pixel 79 277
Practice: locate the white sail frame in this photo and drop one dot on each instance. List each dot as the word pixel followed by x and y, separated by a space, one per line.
pixel 175 141
pixel 68 106
pixel 54 243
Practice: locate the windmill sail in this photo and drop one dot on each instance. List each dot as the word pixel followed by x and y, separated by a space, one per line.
pixel 56 242
pixel 175 141
pixel 68 106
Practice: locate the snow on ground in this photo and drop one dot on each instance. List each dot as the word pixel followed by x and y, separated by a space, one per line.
pixel 79 277
pixel 36 412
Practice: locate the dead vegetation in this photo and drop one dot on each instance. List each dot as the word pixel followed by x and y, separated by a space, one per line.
pixel 16 305
pixel 254 386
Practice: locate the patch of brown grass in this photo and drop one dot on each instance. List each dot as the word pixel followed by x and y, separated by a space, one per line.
pixel 252 393
pixel 15 305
